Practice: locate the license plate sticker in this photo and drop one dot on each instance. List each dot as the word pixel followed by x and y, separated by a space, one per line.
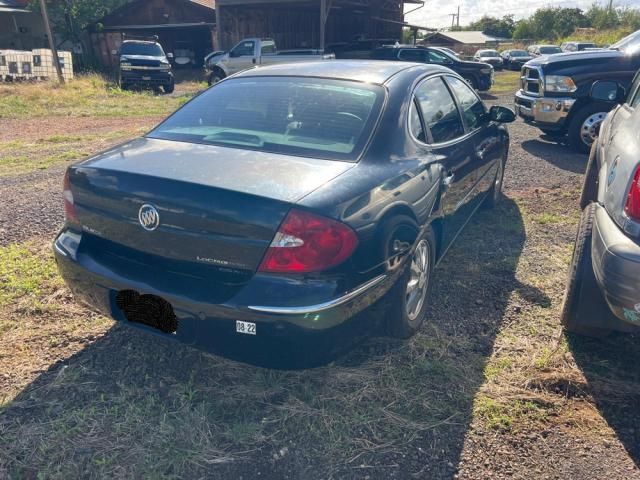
pixel 246 328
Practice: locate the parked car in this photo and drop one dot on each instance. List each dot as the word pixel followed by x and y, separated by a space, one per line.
pixel 478 75
pixel 555 90
pixel 515 59
pixel 252 52
pixel 373 170
pixel 605 268
pixel 492 57
pixel 448 51
pixel 143 63
pixel 540 50
pixel 577 46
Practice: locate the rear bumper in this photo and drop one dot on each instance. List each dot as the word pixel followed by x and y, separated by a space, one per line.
pixel 549 113
pixel 616 264
pixel 97 285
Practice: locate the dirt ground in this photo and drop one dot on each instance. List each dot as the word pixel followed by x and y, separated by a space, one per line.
pixel 491 388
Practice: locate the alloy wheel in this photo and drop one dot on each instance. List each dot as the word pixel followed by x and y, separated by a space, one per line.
pixel 418 283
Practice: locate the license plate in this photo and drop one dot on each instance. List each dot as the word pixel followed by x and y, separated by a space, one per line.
pixel 246 328
pixel 146 78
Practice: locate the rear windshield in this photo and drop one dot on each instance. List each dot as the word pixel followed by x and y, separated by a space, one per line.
pixel 519 53
pixel 550 50
pixel 147 49
pixel 489 53
pixel 291 115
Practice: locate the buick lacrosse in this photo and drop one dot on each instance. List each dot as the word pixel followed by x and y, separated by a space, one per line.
pixel 283 202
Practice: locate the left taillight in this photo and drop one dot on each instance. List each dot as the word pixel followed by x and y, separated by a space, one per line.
pixel 70 215
pixel 307 243
pixel 632 207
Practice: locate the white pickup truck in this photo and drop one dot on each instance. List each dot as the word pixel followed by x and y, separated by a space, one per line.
pixel 252 52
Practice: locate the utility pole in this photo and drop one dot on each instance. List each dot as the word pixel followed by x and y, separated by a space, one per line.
pixel 610 6
pixel 453 19
pixel 52 42
pixel 458 16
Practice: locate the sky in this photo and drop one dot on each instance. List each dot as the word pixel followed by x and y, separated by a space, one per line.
pixel 434 14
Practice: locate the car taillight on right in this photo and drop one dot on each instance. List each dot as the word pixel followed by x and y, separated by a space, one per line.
pixel 306 243
pixel 632 207
pixel 70 215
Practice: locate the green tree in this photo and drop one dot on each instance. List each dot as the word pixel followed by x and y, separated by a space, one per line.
pixel 70 17
pixel 495 27
pixel 524 30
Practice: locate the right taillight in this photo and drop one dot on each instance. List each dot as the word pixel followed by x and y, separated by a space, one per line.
pixel 632 208
pixel 306 243
pixel 70 215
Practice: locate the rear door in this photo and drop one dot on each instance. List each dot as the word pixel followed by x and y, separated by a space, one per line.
pixel 483 134
pixel 445 133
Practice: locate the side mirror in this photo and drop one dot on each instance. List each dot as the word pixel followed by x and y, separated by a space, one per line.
pixel 502 114
pixel 169 55
pixel 608 91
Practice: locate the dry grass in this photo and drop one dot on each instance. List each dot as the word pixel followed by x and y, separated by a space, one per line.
pixel 505 82
pixel 86 96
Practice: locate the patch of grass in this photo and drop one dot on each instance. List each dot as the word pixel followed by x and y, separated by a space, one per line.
pixel 549 218
pixel 509 414
pixel 506 81
pixel 85 96
pixel 18 156
pixel 25 273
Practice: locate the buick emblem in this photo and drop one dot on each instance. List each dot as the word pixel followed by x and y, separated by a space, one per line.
pixel 149 217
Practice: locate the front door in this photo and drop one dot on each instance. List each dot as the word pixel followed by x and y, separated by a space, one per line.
pixel 242 57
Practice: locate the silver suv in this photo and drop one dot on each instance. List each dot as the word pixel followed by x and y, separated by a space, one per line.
pixel 603 291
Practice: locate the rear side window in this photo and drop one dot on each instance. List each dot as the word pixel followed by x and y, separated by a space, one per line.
pixel 411 55
pixel 291 115
pixel 471 106
pixel 438 58
pixel 268 48
pixel 439 110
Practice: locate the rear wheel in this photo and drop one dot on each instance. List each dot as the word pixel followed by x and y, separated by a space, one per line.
pixel 408 299
pixel 495 193
pixel 585 126
pixel 584 310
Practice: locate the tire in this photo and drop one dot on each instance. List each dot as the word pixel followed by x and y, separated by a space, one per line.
pixel 585 125
pixel 584 307
pixel 590 185
pixel 495 193
pixel 404 319
pixel 169 88
pixel 215 77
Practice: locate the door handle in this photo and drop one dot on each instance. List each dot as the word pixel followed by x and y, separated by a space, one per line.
pixel 448 180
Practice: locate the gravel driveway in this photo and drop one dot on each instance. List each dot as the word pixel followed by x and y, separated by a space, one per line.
pixel 32 203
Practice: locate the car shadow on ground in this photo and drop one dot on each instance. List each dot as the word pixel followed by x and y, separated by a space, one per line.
pixel 134 405
pixel 610 366
pixel 555 151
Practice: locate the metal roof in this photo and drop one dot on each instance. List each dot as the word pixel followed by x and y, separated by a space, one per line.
pixel 471 37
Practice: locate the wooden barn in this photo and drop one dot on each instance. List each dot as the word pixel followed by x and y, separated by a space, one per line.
pixel 311 23
pixel 184 27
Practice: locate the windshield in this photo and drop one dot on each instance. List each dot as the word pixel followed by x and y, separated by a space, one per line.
pixel 146 49
pixel 519 53
pixel 489 53
pixel 628 44
pixel 550 50
pixel 296 116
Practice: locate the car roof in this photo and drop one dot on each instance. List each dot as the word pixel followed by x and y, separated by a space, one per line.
pixel 371 71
